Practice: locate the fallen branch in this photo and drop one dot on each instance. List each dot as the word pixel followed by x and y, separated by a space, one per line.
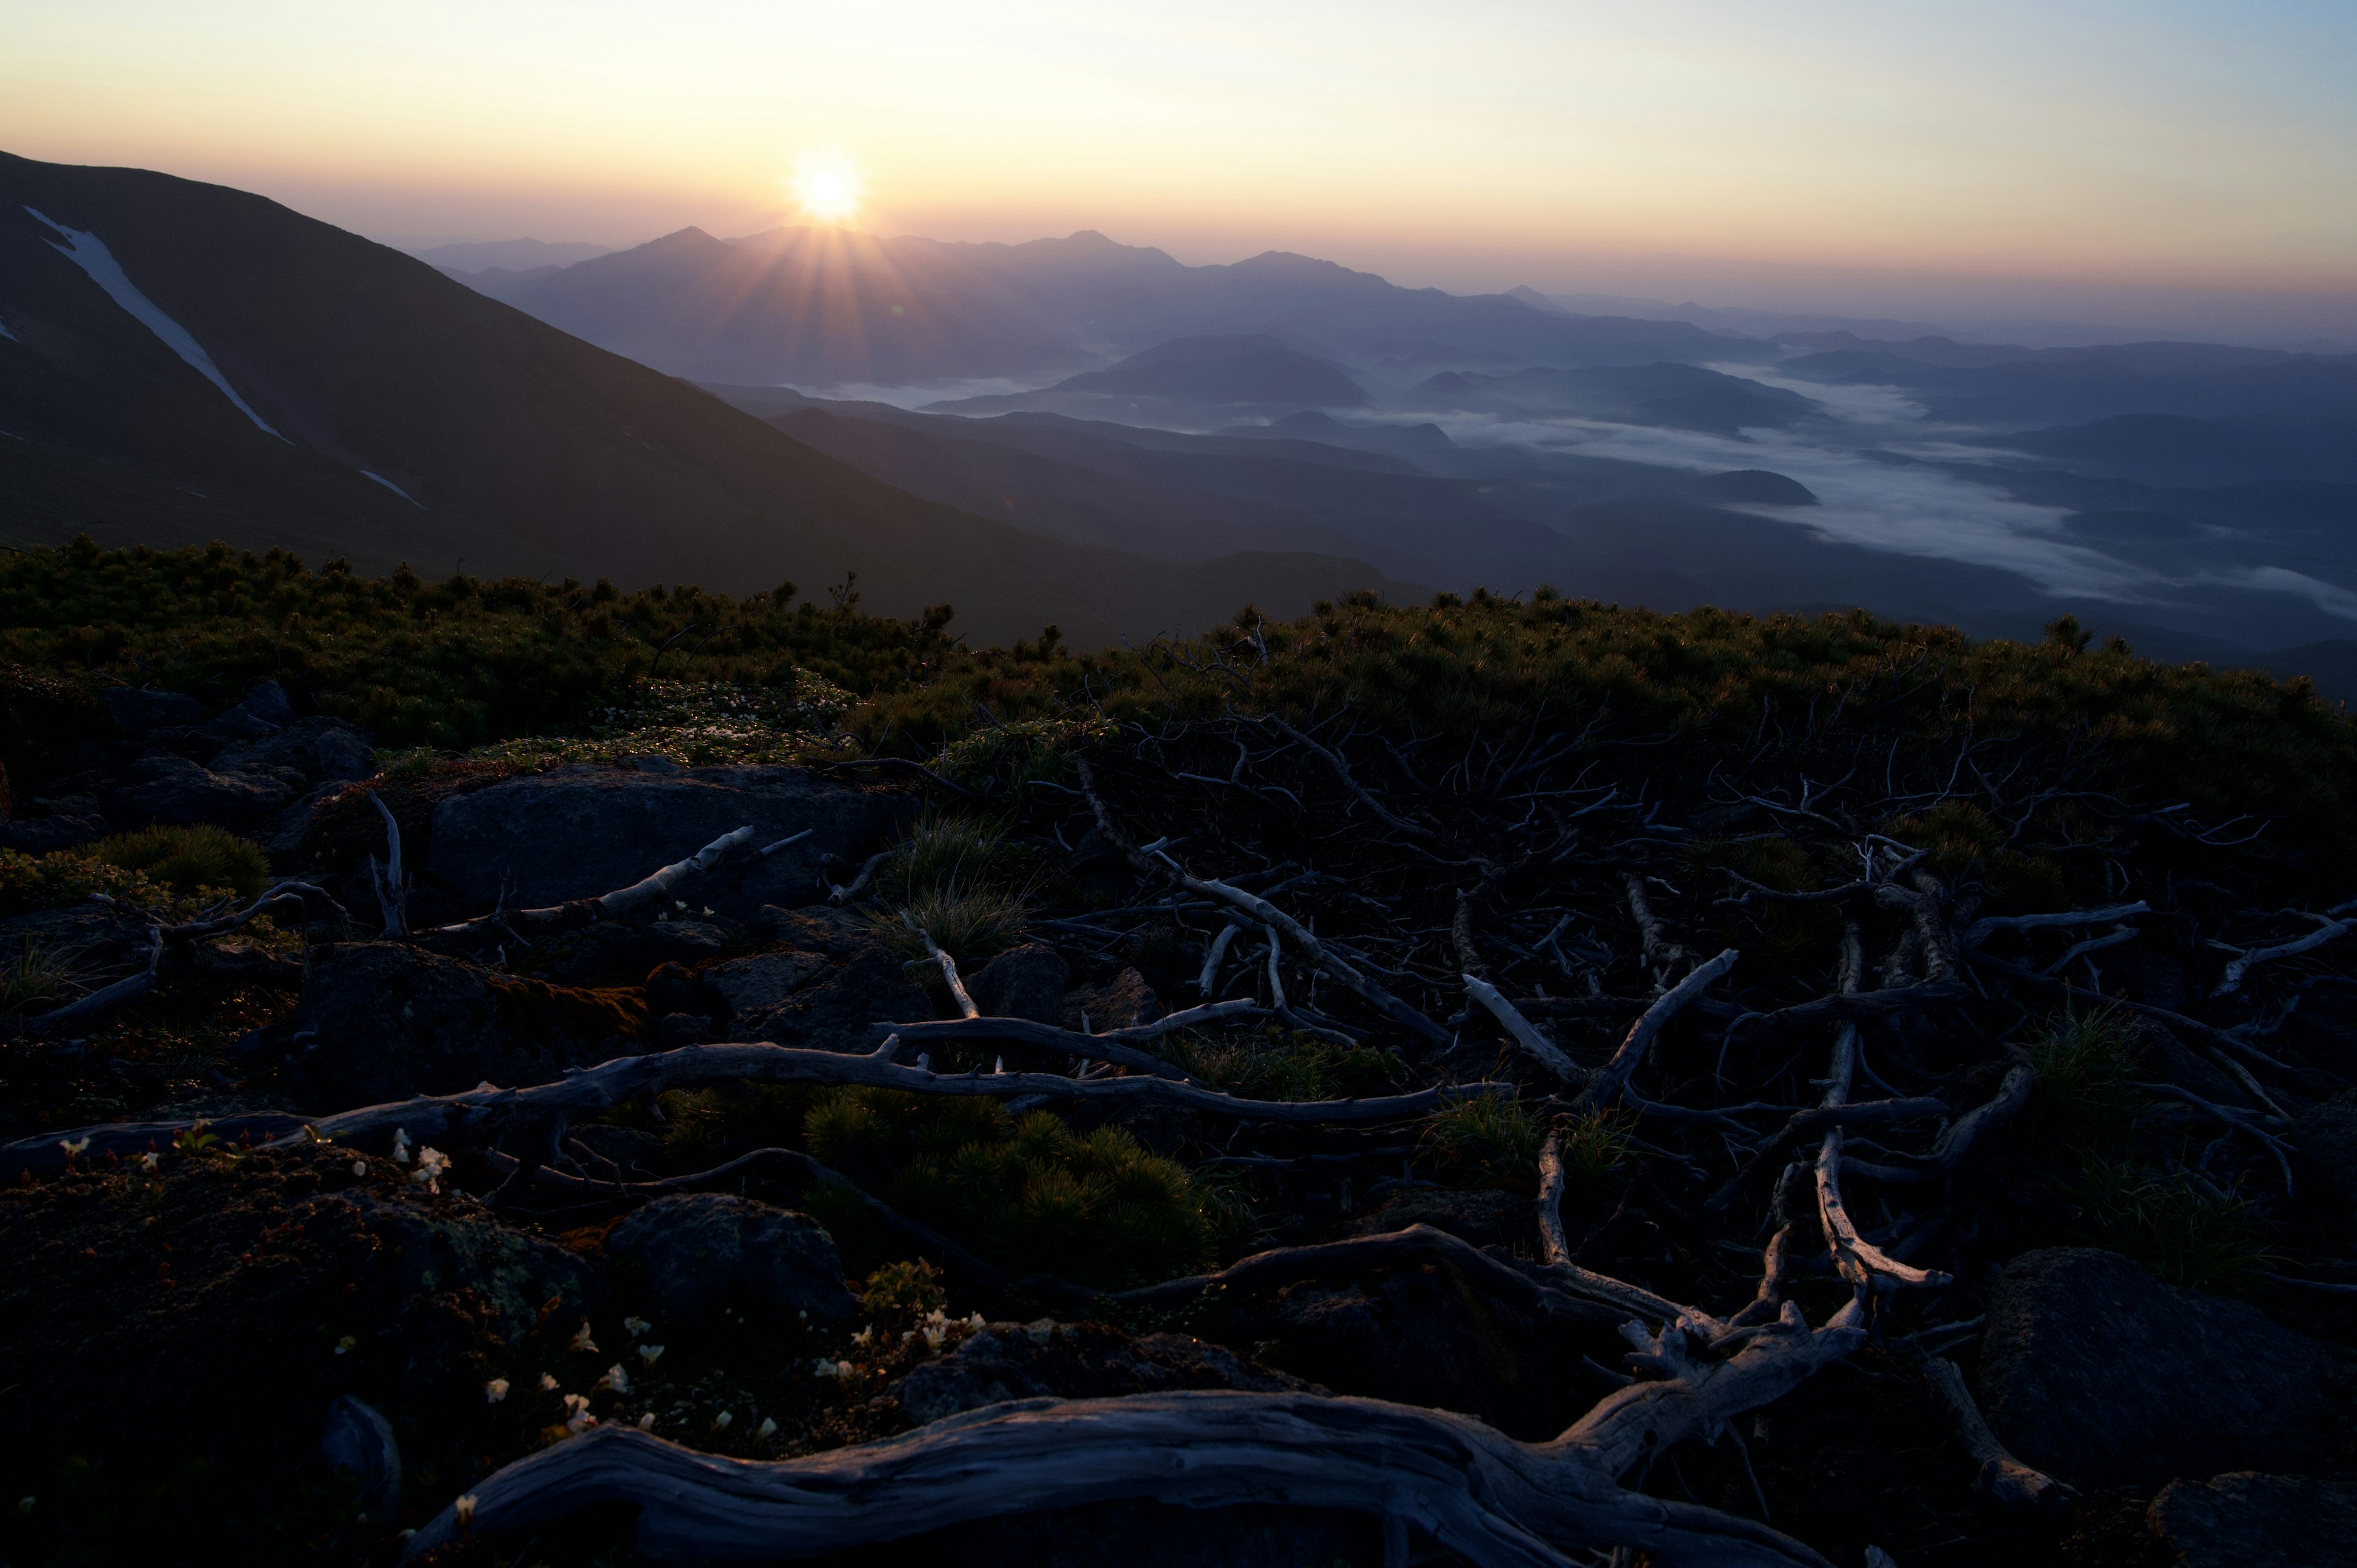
pixel 2002 1477
pixel 1525 1034
pixel 622 901
pixel 2233 979
pixel 391 890
pixel 1609 1081
pixel 1117 1045
pixel 1447 1478
pixel 1556 1250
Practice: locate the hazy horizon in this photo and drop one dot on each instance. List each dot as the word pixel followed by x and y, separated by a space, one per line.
pixel 2188 168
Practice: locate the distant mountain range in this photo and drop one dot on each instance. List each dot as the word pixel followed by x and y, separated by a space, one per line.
pixel 826 307
pixel 1237 374
pixel 183 362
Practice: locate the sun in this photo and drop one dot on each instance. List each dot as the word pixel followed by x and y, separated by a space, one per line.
pixel 827 185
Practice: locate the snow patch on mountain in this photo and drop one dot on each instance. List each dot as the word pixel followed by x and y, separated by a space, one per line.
pixel 89 252
pixel 396 490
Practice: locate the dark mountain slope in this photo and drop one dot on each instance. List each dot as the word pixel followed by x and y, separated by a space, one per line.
pixel 513 446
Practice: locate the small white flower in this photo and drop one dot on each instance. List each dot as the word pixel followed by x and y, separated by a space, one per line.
pixel 400 1147
pixel 768 1428
pixel 578 1418
pixel 826 1368
pixel 647 1422
pixel 581 1341
pixel 720 1422
pixel 464 1508
pixel 865 1338
pixel 547 1384
pixel 74 1145
pixel 149 1159
pixel 974 1323
pixel 1001 1068
pixel 637 1325
pixel 360 1168
pixel 650 1354
pixel 679 903
pixel 495 1391
pixel 615 1379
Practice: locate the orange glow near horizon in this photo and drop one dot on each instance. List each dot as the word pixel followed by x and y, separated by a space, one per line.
pixel 1568 144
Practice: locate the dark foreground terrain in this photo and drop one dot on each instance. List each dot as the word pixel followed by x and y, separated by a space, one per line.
pixel 508 1073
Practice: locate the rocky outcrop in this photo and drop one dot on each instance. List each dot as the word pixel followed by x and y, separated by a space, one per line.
pixel 2095 1371
pixel 699 1252
pixel 1027 982
pixel 582 831
pixel 2249 1521
pixel 379 1021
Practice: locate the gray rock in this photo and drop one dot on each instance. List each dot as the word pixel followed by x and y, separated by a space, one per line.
pixel 39 835
pixel 2094 1371
pixel 169 789
pixel 2245 1520
pixel 1418 1336
pixel 381 1021
pixel 1074 1360
pixel 834 1009
pixel 1124 1000
pixel 359 1441
pixel 2326 1135
pixel 137 712
pixel 828 928
pixel 320 749
pixel 703 1251
pixel 616 952
pixel 1027 982
pixel 765 980
pixel 581 831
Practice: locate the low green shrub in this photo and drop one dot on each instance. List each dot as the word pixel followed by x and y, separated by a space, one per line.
pixel 1488 1140
pixel 188 859
pixel 2183 1228
pixel 2085 1100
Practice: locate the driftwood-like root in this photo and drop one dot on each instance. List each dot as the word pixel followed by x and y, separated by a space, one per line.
pixel 1449 1479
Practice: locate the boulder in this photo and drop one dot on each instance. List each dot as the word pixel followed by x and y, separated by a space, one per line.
pixel 1027 982
pixel 620 953
pixel 164 788
pixel 39 835
pixel 2094 1371
pixel 1124 1000
pixel 2326 1136
pixel 323 750
pixel 382 1022
pixel 359 1442
pixel 1487 1217
pixel 2244 1519
pixel 583 830
pixel 701 1251
pixel 834 1009
pixel 138 713
pixel 1074 1360
pixel 263 711
pixel 764 981
pixel 1422 1336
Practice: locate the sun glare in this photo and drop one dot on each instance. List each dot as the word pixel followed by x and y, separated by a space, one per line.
pixel 828 185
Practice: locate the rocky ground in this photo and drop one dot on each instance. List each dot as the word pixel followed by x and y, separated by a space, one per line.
pixel 235 1335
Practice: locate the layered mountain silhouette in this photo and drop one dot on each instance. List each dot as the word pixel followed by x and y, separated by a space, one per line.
pixel 182 362
pixel 826 307
pixel 1233 374
pixel 1683 397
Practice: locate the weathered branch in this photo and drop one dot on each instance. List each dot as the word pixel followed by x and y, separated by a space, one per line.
pixel 1609 1081
pixel 1548 1054
pixel 2002 1477
pixel 2232 980
pixel 1496 1502
pixel 622 901
pixel 1112 1046
pixel 391 890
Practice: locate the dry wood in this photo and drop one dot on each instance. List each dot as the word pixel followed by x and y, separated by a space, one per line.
pixel 1548 1054
pixel 2232 980
pixel 622 901
pixel 391 886
pixel 1119 1045
pixel 1613 1077
pixel 2002 1477
pixel 1446 1477
pixel 1560 1267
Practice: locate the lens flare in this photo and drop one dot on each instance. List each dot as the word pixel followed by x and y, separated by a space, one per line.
pixel 827 185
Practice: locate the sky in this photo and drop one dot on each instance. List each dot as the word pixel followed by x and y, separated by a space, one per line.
pixel 2170 162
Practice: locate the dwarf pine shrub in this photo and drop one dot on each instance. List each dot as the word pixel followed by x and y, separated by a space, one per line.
pixel 188 858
